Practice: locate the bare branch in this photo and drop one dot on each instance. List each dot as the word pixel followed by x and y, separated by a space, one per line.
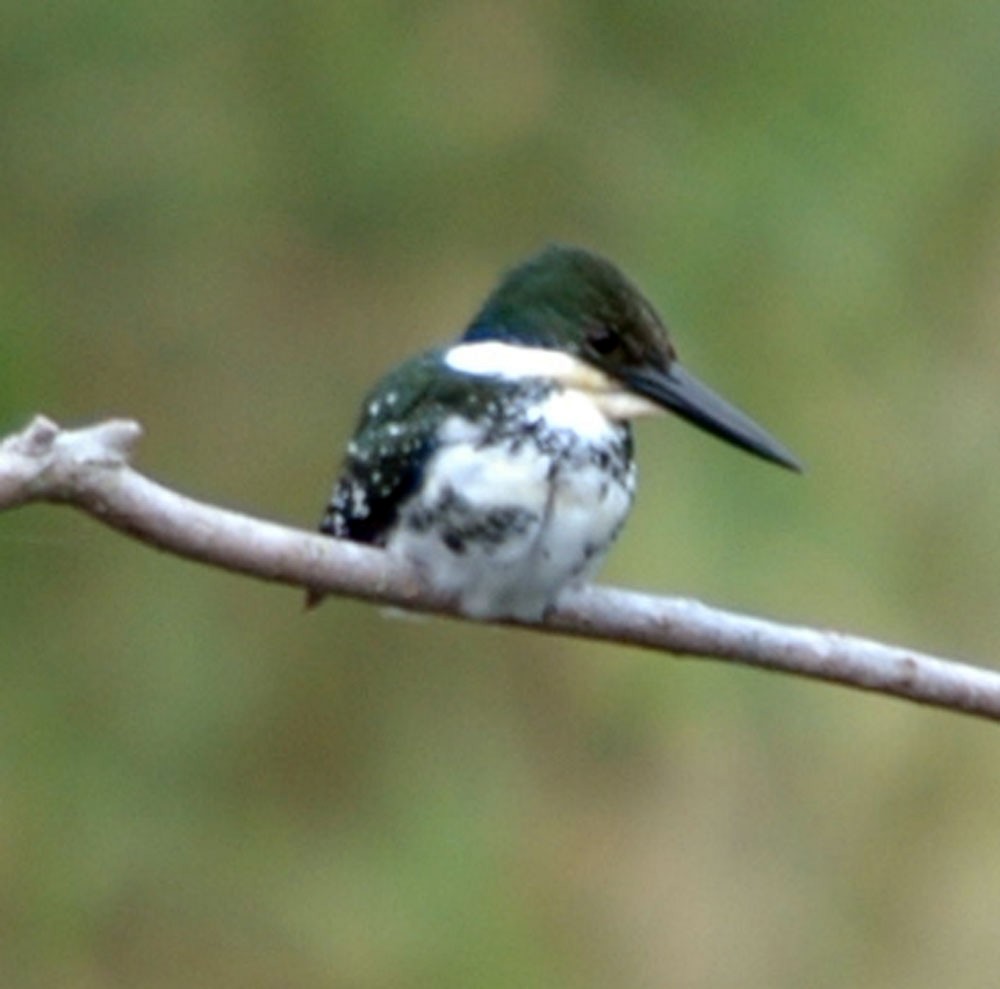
pixel 89 468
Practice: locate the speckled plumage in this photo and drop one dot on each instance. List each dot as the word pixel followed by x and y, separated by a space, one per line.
pixel 500 492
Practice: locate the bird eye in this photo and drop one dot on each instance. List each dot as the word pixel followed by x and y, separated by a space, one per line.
pixel 604 341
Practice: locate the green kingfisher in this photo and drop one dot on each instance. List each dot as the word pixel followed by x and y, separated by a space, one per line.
pixel 500 466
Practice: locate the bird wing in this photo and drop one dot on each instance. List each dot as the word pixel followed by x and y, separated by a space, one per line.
pixel 395 436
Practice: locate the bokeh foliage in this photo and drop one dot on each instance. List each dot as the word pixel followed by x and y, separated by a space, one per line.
pixel 226 220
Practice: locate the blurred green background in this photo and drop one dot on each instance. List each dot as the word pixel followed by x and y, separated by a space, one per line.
pixel 226 220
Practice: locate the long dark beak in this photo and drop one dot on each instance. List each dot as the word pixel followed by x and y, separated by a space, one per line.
pixel 679 391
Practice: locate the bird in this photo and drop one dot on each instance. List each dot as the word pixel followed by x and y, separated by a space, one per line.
pixel 501 466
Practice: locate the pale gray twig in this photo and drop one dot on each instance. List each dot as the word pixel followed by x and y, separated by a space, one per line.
pixel 89 468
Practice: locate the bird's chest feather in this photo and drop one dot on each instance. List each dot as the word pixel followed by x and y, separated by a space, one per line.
pixel 509 511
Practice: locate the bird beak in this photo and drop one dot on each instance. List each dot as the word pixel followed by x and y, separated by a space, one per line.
pixel 681 392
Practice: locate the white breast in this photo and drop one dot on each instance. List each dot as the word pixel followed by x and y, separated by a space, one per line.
pixel 504 526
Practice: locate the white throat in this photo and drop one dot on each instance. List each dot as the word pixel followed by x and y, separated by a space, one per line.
pixel 514 362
